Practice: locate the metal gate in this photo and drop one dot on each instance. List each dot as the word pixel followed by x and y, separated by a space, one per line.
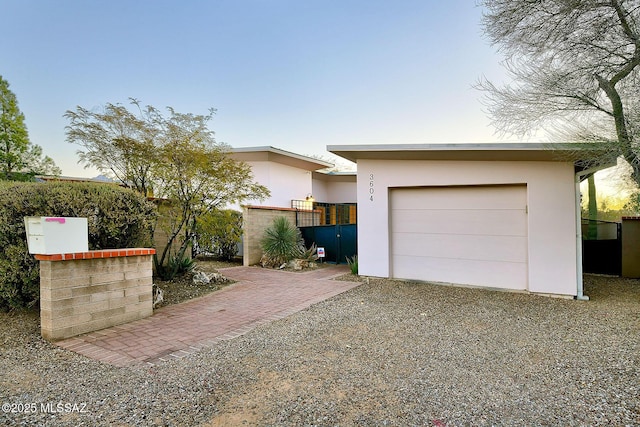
pixel 602 255
pixel 339 241
pixel 331 226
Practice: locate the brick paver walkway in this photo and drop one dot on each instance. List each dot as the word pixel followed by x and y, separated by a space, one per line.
pixel 258 297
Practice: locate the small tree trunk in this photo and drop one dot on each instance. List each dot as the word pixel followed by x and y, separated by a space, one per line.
pixel 624 138
pixel 592 230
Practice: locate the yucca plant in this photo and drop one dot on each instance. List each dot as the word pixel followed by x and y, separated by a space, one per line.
pixel 281 242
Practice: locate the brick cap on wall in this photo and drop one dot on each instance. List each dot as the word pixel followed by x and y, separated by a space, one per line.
pixel 105 253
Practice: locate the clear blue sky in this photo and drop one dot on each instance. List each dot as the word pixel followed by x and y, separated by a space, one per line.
pixel 294 74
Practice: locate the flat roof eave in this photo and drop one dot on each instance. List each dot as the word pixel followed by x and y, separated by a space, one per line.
pixel 568 152
pixel 281 156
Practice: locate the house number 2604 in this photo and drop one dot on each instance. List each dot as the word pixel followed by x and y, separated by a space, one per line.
pixel 371 188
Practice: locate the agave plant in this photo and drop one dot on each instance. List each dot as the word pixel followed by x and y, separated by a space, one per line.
pixel 353 264
pixel 310 254
pixel 281 242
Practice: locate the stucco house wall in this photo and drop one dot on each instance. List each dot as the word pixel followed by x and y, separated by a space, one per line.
pixel 334 187
pixel 287 175
pixel 320 189
pixel 285 183
pixel 551 217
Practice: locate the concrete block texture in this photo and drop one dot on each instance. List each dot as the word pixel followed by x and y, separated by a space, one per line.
pixel 255 220
pixel 78 296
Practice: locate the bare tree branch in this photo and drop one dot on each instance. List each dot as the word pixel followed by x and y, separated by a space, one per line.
pixel 570 62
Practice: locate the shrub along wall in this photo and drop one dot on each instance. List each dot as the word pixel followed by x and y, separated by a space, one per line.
pixel 117 218
pixel 219 232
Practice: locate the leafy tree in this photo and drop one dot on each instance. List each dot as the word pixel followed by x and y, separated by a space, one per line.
pixel 176 155
pixel 198 175
pixel 632 207
pixel 219 233
pixel 574 69
pixel 20 160
pixel 117 142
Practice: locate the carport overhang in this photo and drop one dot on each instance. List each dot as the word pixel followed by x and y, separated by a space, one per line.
pixel 587 158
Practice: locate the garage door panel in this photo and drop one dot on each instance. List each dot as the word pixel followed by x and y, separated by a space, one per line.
pixel 467 272
pixel 469 221
pixel 469 235
pixel 491 197
pixel 472 247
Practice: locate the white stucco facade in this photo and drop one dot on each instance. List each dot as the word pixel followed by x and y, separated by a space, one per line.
pixel 334 187
pixel 550 200
pixel 543 182
pixel 285 182
pixel 288 176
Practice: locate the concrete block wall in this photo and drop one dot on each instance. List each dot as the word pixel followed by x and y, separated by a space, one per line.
pixel 88 291
pixel 256 219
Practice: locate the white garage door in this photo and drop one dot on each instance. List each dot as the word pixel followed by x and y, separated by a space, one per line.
pixel 473 235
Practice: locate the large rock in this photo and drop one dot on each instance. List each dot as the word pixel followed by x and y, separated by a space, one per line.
pixel 203 278
pixel 158 295
pixel 301 264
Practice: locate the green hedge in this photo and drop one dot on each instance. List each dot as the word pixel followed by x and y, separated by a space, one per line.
pixel 117 217
pixel 218 233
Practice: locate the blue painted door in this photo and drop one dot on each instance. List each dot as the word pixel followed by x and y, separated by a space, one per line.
pixel 339 241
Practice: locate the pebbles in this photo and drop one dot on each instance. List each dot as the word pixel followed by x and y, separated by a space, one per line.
pixel 386 353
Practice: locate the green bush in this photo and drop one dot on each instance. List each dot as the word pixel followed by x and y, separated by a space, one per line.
pixel 218 233
pixel 175 267
pixel 117 218
pixel 281 242
pixel 353 264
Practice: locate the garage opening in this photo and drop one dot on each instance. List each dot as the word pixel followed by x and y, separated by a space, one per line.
pixel 475 235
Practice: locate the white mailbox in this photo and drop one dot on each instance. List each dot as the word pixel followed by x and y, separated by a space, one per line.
pixel 56 235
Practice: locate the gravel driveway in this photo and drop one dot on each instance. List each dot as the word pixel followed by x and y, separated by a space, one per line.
pixel 385 353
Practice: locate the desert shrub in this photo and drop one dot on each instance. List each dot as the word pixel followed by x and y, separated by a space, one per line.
pixel 310 254
pixel 353 264
pixel 218 233
pixel 175 267
pixel 281 243
pixel 117 218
